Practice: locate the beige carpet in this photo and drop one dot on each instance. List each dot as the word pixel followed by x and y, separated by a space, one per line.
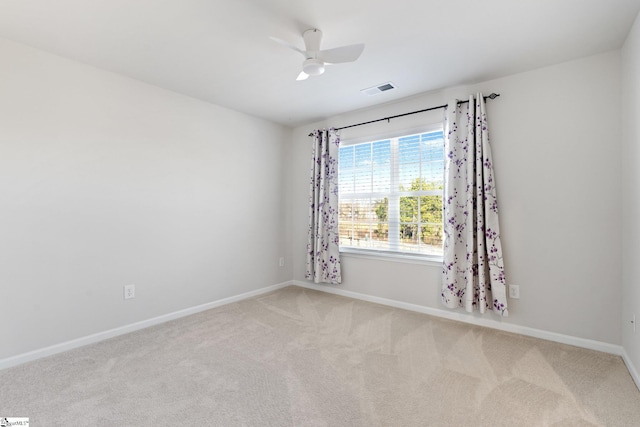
pixel 297 357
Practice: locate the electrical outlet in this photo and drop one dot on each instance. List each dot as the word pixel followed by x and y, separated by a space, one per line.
pixel 281 261
pixel 129 291
pixel 514 291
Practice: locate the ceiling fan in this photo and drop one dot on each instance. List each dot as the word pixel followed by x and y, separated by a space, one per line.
pixel 316 59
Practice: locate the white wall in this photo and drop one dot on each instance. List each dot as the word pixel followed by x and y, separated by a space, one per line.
pixel 631 196
pixel 106 181
pixel 556 141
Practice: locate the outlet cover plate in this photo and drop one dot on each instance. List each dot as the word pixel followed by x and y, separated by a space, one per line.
pixel 514 291
pixel 129 291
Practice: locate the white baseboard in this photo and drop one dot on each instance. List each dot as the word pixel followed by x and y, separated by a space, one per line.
pixel 101 336
pixel 462 317
pixel 523 330
pixel 632 369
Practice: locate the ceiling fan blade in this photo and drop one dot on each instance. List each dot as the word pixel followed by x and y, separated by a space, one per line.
pixel 302 76
pixel 289 45
pixel 341 54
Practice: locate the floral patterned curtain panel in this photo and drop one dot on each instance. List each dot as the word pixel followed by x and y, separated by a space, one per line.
pixel 323 256
pixel 473 272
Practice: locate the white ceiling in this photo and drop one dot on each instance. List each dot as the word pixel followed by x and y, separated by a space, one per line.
pixel 219 50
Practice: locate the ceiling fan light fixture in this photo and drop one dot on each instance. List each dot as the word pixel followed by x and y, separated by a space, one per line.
pixel 313 67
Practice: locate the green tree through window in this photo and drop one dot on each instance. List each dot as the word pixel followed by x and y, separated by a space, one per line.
pixel 419 215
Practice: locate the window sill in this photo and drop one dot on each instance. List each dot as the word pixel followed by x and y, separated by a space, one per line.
pixel 435 261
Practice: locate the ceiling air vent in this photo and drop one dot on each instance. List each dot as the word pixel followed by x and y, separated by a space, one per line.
pixel 378 88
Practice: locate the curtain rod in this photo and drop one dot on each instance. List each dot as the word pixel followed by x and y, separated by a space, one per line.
pixel 492 96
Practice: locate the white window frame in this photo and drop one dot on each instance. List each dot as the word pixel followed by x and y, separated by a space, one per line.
pixel 394 254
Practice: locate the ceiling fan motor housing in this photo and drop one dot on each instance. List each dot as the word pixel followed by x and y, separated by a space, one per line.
pixel 312 39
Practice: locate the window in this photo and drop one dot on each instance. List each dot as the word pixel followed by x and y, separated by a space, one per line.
pixel 391 194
